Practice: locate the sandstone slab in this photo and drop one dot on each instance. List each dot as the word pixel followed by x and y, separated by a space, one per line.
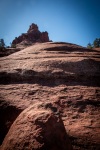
pixel 64 74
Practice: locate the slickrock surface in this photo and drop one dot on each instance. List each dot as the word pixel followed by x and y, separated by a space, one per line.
pixel 8 51
pixel 37 128
pixel 62 74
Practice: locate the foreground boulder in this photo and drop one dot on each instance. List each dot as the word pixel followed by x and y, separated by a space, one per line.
pixel 39 129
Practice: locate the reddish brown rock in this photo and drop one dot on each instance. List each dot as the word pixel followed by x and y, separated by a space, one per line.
pixel 64 74
pixel 44 37
pixel 8 51
pixel 32 36
pixel 33 27
pixel 8 114
pixel 39 129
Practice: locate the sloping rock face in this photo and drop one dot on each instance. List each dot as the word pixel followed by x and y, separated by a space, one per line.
pixel 32 36
pixel 8 51
pixel 62 74
pixel 37 128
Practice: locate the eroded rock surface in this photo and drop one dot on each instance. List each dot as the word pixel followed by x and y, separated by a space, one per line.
pixel 32 36
pixel 37 128
pixel 63 74
pixel 8 114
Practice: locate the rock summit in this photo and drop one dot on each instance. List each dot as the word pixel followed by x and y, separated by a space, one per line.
pixel 32 36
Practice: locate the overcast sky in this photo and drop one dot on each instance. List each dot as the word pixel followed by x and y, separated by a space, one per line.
pixel 75 21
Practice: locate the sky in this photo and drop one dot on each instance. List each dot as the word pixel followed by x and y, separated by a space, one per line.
pixel 73 21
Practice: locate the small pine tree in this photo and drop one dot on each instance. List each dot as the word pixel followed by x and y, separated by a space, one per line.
pixel 13 45
pixel 96 43
pixel 2 43
pixel 89 45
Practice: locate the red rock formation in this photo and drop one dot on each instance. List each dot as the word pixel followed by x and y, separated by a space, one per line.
pixel 44 37
pixel 33 35
pixel 63 74
pixel 39 129
pixel 33 27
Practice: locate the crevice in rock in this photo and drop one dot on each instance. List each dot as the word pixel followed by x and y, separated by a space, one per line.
pixel 30 76
pixel 8 114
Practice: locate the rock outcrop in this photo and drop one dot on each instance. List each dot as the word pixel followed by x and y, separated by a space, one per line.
pixel 32 36
pixel 37 128
pixel 62 74
pixel 8 51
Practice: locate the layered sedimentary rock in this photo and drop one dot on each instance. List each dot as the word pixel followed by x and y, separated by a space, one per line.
pixel 61 74
pixel 32 36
